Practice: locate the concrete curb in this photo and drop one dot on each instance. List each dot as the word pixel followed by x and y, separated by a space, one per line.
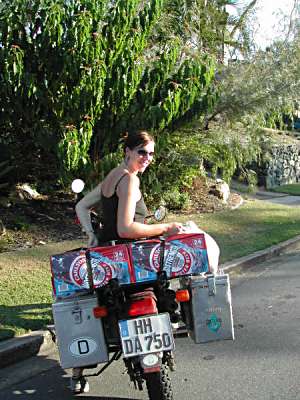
pixel 261 255
pixel 25 346
pixel 37 342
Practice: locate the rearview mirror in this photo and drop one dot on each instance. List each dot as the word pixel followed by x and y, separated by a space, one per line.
pixel 160 213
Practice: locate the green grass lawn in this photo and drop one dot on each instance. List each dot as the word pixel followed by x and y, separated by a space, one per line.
pixel 25 288
pixel 292 189
pixel 254 226
pixel 25 281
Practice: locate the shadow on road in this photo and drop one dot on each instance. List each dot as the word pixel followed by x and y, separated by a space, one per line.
pixel 43 379
pixel 106 398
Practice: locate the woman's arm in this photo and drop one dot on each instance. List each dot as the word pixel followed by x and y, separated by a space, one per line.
pixel 83 207
pixel 128 193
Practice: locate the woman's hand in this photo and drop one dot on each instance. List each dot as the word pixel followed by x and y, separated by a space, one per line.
pixel 173 228
pixel 92 239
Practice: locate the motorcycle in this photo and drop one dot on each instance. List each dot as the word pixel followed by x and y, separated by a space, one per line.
pixel 137 322
pixel 137 326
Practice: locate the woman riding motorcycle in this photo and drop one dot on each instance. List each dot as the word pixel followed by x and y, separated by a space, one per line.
pixel 123 209
pixel 124 212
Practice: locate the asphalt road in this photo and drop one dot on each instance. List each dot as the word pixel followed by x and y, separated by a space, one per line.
pixel 263 363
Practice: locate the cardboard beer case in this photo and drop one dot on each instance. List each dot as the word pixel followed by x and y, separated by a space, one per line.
pixel 145 259
pixel 110 262
pixel 184 254
pixel 70 270
pixel 69 274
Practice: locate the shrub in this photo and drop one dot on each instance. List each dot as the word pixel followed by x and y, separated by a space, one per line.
pixel 176 200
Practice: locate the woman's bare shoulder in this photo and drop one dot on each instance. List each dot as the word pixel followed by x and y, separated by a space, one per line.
pixel 129 185
pixel 130 180
pixel 118 178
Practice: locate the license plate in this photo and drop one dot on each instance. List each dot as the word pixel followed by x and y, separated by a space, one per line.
pixel 149 334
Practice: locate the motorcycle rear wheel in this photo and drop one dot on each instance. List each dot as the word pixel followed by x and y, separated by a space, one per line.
pixel 159 384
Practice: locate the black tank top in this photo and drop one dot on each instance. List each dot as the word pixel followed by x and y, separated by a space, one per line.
pixel 110 211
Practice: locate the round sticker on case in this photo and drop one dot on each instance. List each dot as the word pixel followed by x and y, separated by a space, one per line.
pixel 78 272
pixel 83 346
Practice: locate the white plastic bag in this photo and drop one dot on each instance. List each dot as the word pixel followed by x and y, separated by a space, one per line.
pixel 213 250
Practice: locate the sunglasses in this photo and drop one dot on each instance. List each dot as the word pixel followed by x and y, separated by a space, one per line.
pixel 144 153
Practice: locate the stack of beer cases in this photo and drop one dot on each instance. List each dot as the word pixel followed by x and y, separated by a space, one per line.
pixel 131 263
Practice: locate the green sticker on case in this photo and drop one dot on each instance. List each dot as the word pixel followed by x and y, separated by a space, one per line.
pixel 214 323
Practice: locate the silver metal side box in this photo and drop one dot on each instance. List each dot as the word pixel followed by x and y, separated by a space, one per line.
pixel 80 335
pixel 210 308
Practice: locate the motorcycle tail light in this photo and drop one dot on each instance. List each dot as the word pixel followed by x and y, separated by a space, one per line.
pixel 142 307
pixel 149 370
pixel 100 312
pixel 182 295
pixel 150 363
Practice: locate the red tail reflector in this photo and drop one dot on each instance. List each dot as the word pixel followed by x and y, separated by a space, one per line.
pixel 143 306
pixel 182 295
pixel 100 312
pixel 149 370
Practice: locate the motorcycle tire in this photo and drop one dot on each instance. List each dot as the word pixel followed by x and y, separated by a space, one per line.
pixel 159 384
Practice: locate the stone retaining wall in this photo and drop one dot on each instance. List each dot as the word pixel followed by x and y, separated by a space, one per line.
pixel 281 166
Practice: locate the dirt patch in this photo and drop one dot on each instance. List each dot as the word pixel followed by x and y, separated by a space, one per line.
pixel 204 199
pixel 31 223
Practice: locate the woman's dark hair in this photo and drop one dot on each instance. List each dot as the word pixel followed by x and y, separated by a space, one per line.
pixel 137 138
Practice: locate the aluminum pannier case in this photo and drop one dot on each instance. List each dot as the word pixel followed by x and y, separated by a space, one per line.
pixel 80 335
pixel 210 308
